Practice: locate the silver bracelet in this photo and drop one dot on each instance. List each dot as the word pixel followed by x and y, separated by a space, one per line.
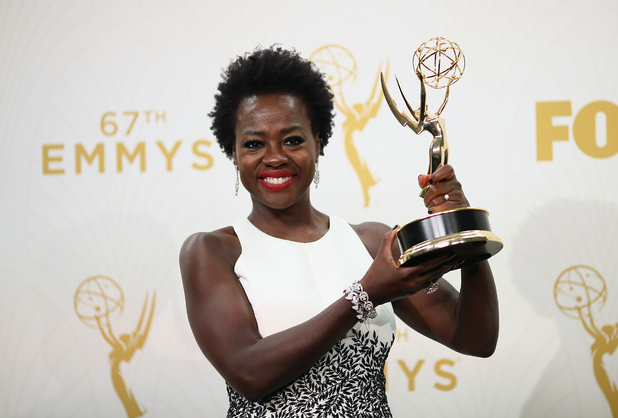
pixel 360 302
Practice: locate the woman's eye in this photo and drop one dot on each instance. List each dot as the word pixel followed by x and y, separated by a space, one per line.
pixel 252 144
pixel 294 140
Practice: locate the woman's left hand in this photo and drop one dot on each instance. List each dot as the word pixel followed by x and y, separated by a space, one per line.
pixel 445 191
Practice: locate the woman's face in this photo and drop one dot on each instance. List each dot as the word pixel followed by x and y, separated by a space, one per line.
pixel 275 149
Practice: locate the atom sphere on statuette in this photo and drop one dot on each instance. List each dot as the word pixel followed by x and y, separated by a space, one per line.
pixel 440 62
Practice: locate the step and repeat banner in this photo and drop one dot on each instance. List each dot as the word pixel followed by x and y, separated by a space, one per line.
pixel 107 164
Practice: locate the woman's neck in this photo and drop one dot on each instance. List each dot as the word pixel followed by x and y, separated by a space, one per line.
pixel 305 224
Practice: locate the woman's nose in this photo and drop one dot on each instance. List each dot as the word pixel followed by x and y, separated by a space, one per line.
pixel 274 155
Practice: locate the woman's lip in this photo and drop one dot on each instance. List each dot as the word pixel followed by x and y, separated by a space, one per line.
pixel 276 174
pixel 277 182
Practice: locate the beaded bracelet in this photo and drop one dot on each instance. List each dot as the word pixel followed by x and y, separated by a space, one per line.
pixel 360 302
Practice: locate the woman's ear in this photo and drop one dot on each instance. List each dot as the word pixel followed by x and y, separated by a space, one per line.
pixel 318 145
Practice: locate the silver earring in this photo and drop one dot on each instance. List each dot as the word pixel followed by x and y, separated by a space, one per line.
pixel 316 176
pixel 237 185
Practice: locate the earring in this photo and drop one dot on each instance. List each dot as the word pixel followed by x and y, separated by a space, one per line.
pixel 237 185
pixel 316 176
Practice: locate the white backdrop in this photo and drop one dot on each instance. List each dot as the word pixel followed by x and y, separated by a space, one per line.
pixel 107 164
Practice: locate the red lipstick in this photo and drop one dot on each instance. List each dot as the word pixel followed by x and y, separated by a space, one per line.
pixel 277 180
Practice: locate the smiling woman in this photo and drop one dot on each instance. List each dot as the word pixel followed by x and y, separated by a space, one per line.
pixel 309 301
pixel 275 151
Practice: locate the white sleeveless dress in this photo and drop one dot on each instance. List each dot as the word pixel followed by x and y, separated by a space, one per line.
pixel 288 283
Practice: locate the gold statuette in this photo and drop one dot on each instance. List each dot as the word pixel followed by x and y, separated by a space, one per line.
pixel 463 233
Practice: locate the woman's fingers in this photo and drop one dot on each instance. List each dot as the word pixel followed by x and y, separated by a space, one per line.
pixel 445 192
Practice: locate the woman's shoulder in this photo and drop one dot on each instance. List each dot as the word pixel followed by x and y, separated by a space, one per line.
pixel 218 245
pixel 371 234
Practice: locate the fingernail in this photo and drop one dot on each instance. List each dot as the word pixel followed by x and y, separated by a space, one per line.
pixel 395 227
pixel 430 180
pixel 429 211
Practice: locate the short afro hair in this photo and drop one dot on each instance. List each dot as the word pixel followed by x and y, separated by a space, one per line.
pixel 268 71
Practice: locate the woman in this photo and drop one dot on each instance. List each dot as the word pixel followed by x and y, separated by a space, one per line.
pixel 294 308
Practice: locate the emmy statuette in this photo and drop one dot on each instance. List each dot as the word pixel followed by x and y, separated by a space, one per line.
pixel 464 233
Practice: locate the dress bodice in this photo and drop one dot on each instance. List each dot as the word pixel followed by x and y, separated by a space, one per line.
pixel 288 283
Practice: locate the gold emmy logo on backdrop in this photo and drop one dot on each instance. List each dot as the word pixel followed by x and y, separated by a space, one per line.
pixel 340 66
pixel 96 299
pixel 578 291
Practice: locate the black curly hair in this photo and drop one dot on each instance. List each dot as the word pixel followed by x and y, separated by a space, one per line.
pixel 267 71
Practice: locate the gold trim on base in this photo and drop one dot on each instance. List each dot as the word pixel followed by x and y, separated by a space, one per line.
pixel 472 237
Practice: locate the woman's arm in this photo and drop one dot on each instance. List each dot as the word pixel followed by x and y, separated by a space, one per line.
pixel 225 328
pixel 466 321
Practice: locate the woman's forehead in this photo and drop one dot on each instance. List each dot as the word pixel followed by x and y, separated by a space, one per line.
pixel 270 109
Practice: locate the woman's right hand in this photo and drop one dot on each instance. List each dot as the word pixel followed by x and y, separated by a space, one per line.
pixel 386 282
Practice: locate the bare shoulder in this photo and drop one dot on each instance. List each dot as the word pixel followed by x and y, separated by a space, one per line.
pixel 221 241
pixel 213 291
pixel 205 251
pixel 371 234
